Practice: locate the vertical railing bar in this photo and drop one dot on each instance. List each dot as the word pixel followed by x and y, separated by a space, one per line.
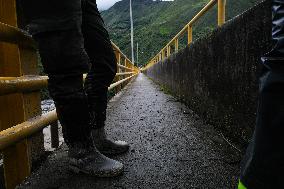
pixel 54 135
pixel 221 21
pixel 119 69
pixel 221 12
pixel 189 35
pixel 176 44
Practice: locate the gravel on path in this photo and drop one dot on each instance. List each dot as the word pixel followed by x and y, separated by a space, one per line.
pixel 171 147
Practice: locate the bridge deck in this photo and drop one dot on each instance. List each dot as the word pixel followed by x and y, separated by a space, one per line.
pixel 170 147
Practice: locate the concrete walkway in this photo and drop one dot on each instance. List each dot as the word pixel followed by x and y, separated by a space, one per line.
pixel 170 147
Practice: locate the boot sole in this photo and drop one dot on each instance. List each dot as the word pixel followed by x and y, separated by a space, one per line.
pixel 113 153
pixel 111 174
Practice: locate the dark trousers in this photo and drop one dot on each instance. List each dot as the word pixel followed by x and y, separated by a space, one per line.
pixel 263 165
pixel 66 54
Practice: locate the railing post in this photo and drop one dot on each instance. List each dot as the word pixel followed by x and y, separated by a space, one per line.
pixel 16 61
pixel 176 45
pixel 120 70
pixel 189 34
pixel 54 135
pixel 169 50
pixel 117 78
pixel 32 101
pixel 126 65
pixel 125 70
pixel 163 54
pixel 221 12
pixel 16 158
pixel 130 65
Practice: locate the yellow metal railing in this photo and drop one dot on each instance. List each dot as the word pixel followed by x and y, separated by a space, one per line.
pixel 20 112
pixel 167 50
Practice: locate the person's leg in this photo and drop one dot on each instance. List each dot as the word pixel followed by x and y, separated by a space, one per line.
pixel 263 164
pixel 63 56
pixel 65 60
pixel 101 75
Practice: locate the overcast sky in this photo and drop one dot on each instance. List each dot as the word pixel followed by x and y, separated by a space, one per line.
pixel 105 4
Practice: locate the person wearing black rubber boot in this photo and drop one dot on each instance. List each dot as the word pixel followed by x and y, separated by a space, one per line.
pixel 100 76
pixel 263 165
pixel 57 28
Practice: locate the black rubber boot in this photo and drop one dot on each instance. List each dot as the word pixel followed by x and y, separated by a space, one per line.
pixel 74 116
pixel 99 137
pixel 84 159
pixel 103 70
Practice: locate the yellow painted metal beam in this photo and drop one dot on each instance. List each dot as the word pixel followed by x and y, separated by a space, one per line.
pixel 125 67
pixel 204 10
pixel 12 110
pixel 24 130
pixel 188 27
pixel 19 59
pixel 163 54
pixel 120 82
pixel 116 48
pixel 189 35
pixel 125 73
pixel 194 19
pixel 10 34
pixel 176 45
pixel 169 50
pixel 119 59
pixel 117 78
pixel 22 84
pixel 221 12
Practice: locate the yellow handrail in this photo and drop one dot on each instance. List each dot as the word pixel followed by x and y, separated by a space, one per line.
pixel 166 51
pixel 120 82
pixel 24 130
pixel 14 134
pixel 22 84
pixel 11 85
pixel 10 34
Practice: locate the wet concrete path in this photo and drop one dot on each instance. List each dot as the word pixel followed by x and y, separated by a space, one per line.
pixel 170 147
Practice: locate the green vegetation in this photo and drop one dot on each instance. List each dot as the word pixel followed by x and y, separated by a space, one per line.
pixel 157 22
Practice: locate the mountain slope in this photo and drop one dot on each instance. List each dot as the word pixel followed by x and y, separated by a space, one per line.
pixel 156 22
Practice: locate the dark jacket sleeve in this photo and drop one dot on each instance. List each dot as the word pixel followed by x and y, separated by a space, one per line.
pixel 51 15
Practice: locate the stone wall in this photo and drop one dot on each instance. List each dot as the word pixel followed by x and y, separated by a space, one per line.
pixel 217 76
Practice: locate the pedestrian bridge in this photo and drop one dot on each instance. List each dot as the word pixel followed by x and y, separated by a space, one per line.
pixel 180 113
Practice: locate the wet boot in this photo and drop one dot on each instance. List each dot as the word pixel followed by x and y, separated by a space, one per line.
pixel 84 159
pixel 100 76
pixel 103 144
